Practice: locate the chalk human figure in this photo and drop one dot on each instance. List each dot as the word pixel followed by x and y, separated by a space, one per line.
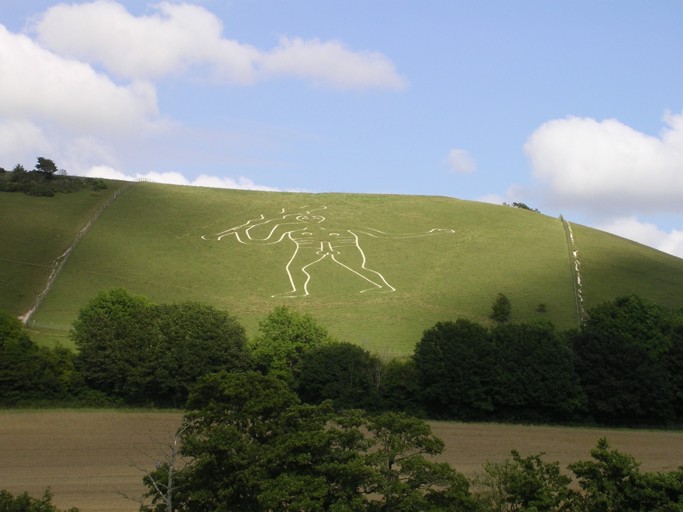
pixel 314 242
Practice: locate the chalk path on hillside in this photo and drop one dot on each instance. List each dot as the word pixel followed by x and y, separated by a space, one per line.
pixel 314 242
pixel 60 261
pixel 576 271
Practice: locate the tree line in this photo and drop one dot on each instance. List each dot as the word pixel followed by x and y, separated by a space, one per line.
pixel 45 180
pixel 623 366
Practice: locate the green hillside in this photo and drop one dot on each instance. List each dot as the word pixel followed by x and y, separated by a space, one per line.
pixel 34 232
pixel 149 241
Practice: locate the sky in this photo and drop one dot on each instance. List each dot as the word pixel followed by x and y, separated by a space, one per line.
pixel 573 107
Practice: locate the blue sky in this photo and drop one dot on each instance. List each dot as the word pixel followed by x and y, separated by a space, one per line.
pixel 572 107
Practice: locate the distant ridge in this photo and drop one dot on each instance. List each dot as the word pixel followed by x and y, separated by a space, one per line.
pixel 376 270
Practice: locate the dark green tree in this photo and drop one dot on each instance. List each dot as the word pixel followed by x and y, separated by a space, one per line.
pixel 674 362
pixel 455 366
pixel 283 338
pixel 46 166
pixel 534 373
pixel 118 345
pixel 621 358
pixel 501 308
pixel 19 172
pixel 523 484
pixel 250 445
pixel 400 388
pixel 195 339
pixel 342 372
pixel 402 476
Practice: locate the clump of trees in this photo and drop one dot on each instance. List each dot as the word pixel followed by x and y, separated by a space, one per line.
pixel 522 206
pixel 511 371
pixel 45 179
pixel 623 366
pixel 142 353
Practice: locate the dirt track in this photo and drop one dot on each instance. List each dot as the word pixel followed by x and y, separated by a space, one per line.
pixel 91 459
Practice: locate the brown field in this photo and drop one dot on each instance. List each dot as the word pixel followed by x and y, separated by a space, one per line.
pixel 94 459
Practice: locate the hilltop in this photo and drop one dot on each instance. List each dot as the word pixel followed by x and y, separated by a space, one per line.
pixel 378 269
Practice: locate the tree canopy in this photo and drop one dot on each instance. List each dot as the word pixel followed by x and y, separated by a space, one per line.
pixel 147 353
pixel 455 369
pixel 284 336
pixel 342 372
pixel 251 445
pixel 622 360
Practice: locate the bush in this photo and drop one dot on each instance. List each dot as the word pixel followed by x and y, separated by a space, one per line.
pixel 25 503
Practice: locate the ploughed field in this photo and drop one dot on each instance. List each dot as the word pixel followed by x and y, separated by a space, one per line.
pixel 95 460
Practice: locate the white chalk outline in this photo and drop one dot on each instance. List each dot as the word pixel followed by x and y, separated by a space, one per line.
pixel 304 229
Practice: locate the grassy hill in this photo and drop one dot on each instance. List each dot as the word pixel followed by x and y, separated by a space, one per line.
pixel 149 241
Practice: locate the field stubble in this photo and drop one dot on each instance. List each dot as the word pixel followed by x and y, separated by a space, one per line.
pixel 95 460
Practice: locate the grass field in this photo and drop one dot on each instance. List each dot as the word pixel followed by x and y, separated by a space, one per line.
pixel 93 459
pixel 149 241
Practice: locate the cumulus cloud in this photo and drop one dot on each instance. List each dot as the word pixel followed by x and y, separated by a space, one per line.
pixel 146 47
pixel 19 140
pixel 177 37
pixel 646 233
pixel 176 178
pixel 460 161
pixel 609 167
pixel 48 89
pixel 330 63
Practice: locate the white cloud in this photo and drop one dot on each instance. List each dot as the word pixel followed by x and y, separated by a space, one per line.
pixel 204 180
pixel 331 63
pixel 609 167
pixel 460 161
pixel 491 198
pixel 178 37
pixel 19 141
pixel 646 233
pixel 46 89
pixel 176 178
pixel 169 41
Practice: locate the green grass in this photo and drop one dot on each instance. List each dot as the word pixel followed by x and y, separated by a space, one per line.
pixel 33 232
pixel 149 242
pixel 612 267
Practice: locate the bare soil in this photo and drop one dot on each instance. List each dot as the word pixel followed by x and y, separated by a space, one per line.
pixel 95 460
